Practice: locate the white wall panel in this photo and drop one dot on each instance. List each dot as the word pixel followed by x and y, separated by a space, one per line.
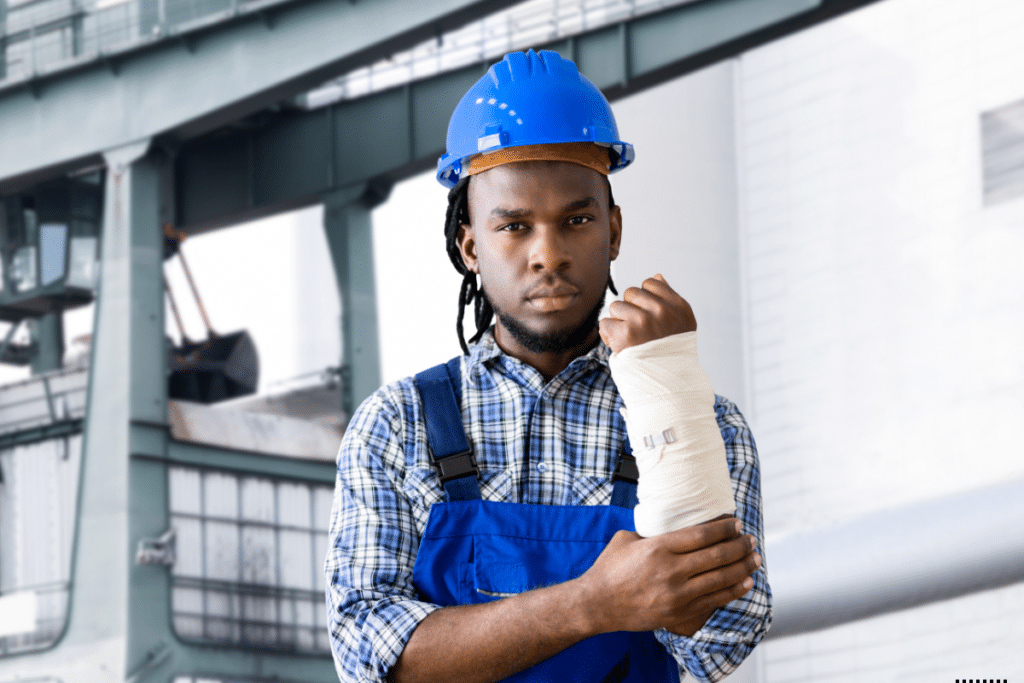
pixel 679 210
pixel 885 304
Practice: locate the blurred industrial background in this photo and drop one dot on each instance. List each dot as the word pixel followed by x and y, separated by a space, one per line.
pixel 219 232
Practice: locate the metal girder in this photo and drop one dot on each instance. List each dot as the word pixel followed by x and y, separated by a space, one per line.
pixel 184 88
pixel 212 457
pixel 349 230
pixel 55 430
pixel 288 159
pixel 95 642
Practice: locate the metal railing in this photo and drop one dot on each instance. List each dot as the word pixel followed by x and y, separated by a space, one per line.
pixel 527 24
pixel 42 401
pixel 44 36
pixel 40 37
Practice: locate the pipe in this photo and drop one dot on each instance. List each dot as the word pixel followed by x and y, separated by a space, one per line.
pixel 897 559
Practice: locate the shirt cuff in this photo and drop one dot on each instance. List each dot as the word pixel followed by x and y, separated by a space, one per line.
pixel 368 643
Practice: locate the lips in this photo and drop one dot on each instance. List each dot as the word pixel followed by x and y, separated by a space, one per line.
pixel 552 299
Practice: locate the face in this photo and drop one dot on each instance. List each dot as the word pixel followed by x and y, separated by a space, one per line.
pixel 542 238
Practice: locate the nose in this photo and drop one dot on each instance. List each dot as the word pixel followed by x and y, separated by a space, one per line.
pixel 549 250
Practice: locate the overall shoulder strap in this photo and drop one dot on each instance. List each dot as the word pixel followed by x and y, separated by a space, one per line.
pixel 440 390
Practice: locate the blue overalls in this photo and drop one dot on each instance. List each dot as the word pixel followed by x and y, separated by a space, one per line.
pixel 476 551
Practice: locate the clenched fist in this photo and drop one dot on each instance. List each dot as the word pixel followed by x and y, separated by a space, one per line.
pixel 651 311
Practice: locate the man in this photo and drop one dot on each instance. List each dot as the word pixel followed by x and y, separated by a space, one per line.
pixel 520 562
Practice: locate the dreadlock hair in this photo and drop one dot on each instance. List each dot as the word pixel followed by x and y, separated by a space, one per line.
pixel 471 292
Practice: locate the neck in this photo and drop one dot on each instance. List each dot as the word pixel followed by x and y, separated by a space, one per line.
pixel 547 363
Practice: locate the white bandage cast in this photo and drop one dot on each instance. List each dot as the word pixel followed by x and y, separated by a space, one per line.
pixel 670 417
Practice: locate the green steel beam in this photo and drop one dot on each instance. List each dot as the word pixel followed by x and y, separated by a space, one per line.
pixel 181 88
pixel 277 467
pixel 95 642
pixel 282 160
pixel 55 430
pixel 350 238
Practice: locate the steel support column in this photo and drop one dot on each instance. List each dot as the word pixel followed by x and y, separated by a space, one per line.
pixel 349 231
pixel 48 336
pixel 94 645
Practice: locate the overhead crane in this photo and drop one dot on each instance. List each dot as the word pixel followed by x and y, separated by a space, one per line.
pixel 193 122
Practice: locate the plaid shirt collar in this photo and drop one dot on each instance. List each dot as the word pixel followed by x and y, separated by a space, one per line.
pixel 486 354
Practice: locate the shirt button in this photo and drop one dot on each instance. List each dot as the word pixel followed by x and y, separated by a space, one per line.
pixel 542 467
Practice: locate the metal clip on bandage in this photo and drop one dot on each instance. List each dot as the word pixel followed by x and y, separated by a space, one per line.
pixel 666 437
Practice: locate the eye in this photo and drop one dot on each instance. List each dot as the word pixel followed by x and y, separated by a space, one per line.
pixel 580 220
pixel 511 227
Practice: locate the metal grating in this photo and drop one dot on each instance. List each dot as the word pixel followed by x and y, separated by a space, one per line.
pixel 1002 153
pixel 34 405
pixel 249 560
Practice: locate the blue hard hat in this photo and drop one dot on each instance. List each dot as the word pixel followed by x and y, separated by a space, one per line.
pixel 529 99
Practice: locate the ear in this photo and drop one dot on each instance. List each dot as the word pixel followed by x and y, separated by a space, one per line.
pixel 467 246
pixel 615 223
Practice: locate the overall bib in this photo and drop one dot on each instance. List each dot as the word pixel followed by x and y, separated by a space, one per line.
pixel 476 551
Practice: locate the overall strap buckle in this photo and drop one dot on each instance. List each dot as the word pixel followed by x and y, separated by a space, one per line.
pixel 625 478
pixel 439 389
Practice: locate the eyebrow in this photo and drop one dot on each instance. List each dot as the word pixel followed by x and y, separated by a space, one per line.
pixel 523 213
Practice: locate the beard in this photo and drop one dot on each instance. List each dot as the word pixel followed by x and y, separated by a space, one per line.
pixel 548 342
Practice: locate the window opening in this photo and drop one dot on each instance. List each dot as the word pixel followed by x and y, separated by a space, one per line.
pixel 38 500
pixel 249 565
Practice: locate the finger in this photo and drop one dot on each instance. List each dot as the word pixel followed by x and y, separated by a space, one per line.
pixel 702 536
pixel 614 333
pixel 659 285
pixel 628 326
pixel 627 312
pixel 712 601
pixel 724 577
pixel 647 299
pixel 718 556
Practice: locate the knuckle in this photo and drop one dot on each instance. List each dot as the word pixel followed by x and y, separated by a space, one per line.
pixel 624 536
pixel 722 554
pixel 703 535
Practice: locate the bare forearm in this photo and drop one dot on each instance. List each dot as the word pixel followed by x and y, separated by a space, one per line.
pixel 491 641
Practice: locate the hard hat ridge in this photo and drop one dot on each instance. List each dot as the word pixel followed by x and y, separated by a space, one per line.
pixel 529 99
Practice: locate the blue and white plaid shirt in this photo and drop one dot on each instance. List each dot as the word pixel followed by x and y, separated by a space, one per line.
pixel 549 444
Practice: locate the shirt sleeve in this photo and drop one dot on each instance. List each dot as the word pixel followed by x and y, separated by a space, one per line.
pixel 372 607
pixel 714 652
